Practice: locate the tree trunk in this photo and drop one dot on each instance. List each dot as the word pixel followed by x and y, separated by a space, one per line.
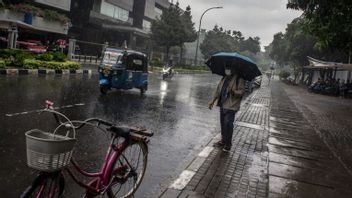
pixel 181 54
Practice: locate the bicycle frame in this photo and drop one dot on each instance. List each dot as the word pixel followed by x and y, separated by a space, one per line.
pixel 102 178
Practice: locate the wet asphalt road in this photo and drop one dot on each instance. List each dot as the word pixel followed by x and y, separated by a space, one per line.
pixel 175 110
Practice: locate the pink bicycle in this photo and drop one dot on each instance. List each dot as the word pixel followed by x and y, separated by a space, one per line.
pixel 121 173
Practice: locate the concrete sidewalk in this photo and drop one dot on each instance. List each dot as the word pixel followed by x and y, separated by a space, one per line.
pixel 276 153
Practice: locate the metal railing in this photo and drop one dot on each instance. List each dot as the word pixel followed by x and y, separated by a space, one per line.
pixel 86 59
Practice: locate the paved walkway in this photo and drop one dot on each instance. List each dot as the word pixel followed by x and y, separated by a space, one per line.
pixel 276 153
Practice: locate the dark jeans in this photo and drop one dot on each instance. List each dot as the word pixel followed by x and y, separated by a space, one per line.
pixel 227 117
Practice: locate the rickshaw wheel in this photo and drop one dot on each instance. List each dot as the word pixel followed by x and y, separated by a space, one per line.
pixel 104 89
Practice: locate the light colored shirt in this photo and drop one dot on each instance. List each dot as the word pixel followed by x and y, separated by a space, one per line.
pixel 235 91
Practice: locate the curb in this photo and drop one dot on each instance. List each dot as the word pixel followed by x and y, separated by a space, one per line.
pixel 12 72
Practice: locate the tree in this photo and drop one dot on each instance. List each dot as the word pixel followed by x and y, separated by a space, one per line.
pixel 292 48
pixel 250 44
pixel 189 32
pixel 329 21
pixel 218 40
pixel 168 30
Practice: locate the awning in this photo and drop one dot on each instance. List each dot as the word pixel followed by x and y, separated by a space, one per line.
pixel 318 64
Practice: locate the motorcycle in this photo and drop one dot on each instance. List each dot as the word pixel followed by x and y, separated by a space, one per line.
pixel 167 72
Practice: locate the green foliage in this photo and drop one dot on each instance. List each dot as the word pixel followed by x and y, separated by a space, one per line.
pixel 2 64
pixel 45 57
pixel 7 53
pixel 189 32
pixel 168 30
pixel 71 65
pixel 27 60
pixel 250 44
pixel 31 64
pixel 26 8
pixel 173 28
pixel 52 56
pixel 35 64
pixel 19 58
pixel 53 15
pixel 293 47
pixel 59 57
pixel 219 39
pixel 284 74
pixel 47 14
pixel 156 62
pixel 62 65
pixel 330 22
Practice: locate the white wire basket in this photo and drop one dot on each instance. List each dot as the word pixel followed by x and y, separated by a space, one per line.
pixel 48 152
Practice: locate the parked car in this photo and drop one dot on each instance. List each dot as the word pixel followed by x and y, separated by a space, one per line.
pixel 34 46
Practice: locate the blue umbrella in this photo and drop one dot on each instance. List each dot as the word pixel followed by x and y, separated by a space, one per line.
pixel 246 67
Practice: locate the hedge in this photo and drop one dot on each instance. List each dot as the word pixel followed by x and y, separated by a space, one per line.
pixel 35 64
pixel 2 64
pixel 15 57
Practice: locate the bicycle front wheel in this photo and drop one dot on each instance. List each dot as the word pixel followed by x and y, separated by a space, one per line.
pixel 45 186
pixel 128 171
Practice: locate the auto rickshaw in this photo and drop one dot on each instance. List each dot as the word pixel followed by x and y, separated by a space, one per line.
pixel 123 69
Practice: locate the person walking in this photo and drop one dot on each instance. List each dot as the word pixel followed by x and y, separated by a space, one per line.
pixel 228 95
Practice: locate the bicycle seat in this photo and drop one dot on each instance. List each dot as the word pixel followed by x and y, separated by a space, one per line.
pixel 120 131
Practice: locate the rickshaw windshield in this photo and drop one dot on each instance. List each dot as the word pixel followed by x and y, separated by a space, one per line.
pixel 112 57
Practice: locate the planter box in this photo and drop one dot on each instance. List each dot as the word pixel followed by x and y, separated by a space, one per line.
pixel 38 23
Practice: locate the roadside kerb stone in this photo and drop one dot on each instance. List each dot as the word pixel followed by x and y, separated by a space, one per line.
pixel 43 71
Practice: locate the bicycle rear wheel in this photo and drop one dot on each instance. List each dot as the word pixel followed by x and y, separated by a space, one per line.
pixel 46 186
pixel 128 171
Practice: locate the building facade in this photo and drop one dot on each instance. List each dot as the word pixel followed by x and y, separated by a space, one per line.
pixel 39 20
pixel 114 21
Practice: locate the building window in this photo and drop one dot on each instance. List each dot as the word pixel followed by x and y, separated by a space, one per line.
pixel 158 12
pixel 146 25
pixel 113 11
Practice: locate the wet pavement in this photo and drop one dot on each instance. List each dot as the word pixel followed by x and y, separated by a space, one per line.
pixel 301 164
pixel 287 142
pixel 176 111
pixel 330 116
pixel 277 152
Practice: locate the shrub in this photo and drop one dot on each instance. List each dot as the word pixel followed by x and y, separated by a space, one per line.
pixel 2 64
pixel 59 57
pixel 20 56
pixel 72 65
pixel 7 53
pixel 45 57
pixel 52 65
pixel 32 64
pixel 61 65
pixel 156 62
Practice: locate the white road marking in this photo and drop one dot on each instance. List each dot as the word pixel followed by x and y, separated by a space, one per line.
pixel 181 182
pixel 39 110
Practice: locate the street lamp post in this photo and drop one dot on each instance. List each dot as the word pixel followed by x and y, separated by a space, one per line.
pixel 200 24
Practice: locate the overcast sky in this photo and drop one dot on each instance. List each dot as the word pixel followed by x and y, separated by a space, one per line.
pixel 261 18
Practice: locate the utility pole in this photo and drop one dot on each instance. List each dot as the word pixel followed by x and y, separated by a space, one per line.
pixel 200 24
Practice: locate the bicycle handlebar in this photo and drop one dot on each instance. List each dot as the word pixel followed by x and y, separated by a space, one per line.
pixel 50 108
